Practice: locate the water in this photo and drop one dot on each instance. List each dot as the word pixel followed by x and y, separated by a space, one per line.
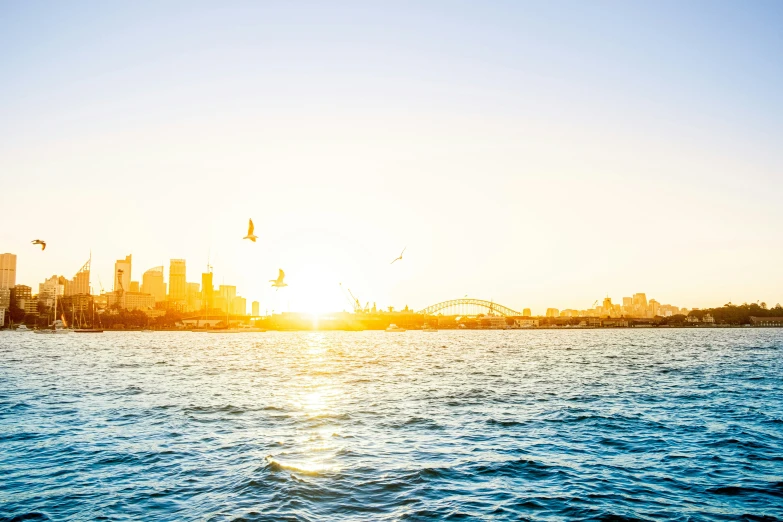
pixel 541 425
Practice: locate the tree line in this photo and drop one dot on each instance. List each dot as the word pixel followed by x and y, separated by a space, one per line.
pixel 738 314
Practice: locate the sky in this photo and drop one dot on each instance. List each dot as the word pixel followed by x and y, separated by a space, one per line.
pixel 539 154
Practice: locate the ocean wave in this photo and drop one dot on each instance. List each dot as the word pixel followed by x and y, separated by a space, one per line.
pixel 524 431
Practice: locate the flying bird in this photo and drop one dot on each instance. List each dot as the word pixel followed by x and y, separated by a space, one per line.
pixel 252 237
pixel 399 258
pixel 40 242
pixel 278 283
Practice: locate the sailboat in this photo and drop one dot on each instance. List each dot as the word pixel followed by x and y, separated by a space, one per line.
pixel 57 326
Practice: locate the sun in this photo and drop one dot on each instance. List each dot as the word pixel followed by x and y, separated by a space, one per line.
pixel 317 292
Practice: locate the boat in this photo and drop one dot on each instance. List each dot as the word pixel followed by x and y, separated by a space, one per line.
pixel 57 326
pixel 394 328
pixel 22 328
pixel 88 330
pixel 428 328
pixel 241 329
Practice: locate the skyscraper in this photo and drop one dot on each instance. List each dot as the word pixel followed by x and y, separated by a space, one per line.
pixel 122 274
pixel 80 284
pixel 192 297
pixel 7 270
pixel 226 294
pixel 640 304
pixel 152 283
pixel 177 280
pixel 206 291
pixel 256 308
pixel 239 306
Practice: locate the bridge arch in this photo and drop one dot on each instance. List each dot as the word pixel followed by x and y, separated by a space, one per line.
pixel 468 306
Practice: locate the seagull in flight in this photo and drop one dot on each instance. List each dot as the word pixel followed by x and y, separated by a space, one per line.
pixel 399 258
pixel 278 283
pixel 252 237
pixel 40 242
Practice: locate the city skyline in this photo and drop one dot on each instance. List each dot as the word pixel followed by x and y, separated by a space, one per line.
pixel 152 293
pixel 515 152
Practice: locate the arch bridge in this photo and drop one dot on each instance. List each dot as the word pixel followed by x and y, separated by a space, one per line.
pixel 468 306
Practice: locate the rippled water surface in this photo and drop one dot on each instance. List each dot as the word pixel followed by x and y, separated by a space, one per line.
pixel 612 425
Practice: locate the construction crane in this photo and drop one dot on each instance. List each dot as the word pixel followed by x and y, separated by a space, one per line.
pixel 357 307
pixel 355 303
pixel 595 303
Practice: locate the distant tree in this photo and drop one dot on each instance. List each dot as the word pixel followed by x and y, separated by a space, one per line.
pixel 16 314
pixel 675 319
pixel 169 320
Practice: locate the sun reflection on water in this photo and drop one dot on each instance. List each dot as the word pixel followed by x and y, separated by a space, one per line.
pixel 314 395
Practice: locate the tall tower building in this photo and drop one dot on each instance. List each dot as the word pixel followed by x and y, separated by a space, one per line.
pixel 192 297
pixel 640 304
pixel 7 270
pixel 152 283
pixel 122 274
pixel 177 280
pixel 80 284
pixel 256 308
pixel 206 291
pixel 607 306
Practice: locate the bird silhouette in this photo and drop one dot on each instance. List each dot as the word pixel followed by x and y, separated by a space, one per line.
pixel 399 258
pixel 279 283
pixel 40 242
pixel 250 228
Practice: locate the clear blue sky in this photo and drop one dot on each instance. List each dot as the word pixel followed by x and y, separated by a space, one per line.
pixel 536 153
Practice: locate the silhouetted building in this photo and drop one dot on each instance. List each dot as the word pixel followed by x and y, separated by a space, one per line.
pixel 76 304
pixel 122 273
pixel 5 299
pixel 7 270
pixel 766 321
pixel 177 280
pixel 152 283
pixel 50 287
pixel 207 291
pixel 192 297
pixel 80 284
pixel 239 306
pixel 131 301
